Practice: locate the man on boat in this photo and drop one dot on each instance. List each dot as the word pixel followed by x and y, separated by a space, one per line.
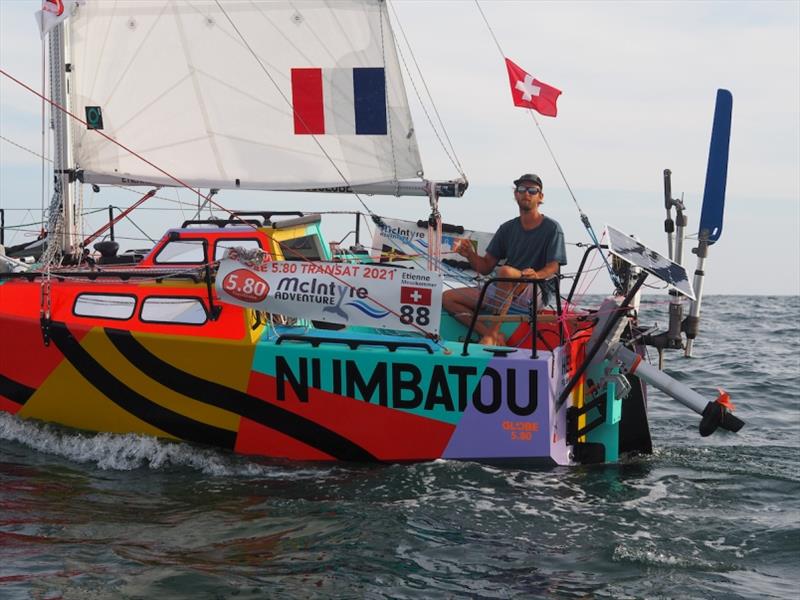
pixel 533 247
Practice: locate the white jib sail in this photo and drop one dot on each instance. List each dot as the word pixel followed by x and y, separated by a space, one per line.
pixel 255 95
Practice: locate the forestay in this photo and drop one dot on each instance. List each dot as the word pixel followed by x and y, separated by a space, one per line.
pixel 255 95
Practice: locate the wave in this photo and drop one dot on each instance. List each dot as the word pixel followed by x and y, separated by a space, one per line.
pixel 129 451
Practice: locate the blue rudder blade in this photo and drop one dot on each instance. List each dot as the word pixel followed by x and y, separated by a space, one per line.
pixel 717 173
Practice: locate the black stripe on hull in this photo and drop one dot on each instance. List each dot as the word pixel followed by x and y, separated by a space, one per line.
pixel 250 407
pixel 14 390
pixel 131 401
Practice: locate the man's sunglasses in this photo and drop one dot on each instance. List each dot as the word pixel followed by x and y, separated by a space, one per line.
pixel 521 189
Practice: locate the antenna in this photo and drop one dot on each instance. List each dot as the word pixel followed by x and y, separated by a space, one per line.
pixel 669 224
pixel 673 338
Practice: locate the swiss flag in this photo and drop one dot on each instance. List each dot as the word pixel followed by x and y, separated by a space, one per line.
pixel 415 295
pixel 531 93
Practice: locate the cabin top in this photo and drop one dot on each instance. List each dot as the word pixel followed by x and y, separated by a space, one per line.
pixel 199 242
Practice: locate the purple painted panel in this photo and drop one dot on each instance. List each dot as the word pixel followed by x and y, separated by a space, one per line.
pixel 515 422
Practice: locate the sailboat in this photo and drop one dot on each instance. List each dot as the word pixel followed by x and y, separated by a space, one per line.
pixel 253 333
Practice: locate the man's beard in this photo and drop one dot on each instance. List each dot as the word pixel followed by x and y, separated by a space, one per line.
pixel 526 207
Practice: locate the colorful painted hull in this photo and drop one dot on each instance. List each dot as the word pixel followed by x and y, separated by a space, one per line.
pixel 294 401
pixel 287 392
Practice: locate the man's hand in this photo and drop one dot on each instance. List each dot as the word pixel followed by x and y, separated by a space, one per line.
pixel 529 274
pixel 482 264
pixel 463 247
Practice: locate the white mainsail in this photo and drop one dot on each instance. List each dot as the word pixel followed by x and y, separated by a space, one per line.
pixel 206 92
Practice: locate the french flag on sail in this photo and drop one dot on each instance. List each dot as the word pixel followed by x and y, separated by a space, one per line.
pixel 339 101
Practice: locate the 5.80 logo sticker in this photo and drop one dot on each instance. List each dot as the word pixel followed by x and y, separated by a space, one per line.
pixel 245 285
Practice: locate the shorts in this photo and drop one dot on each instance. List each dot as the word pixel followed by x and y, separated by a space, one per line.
pixel 495 298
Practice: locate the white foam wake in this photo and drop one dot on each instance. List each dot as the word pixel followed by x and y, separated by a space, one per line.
pixel 125 452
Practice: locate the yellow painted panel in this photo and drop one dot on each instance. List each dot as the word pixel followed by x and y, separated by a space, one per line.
pixel 279 235
pixel 69 399
pixel 227 362
pixel 98 345
pixel 253 335
pixel 579 392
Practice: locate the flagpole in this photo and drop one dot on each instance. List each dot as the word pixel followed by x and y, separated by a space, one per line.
pixel 584 218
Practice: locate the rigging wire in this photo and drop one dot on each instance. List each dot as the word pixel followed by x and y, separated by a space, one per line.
pixel 44 158
pixel 181 204
pixel 28 150
pixel 389 117
pixel 369 211
pixel 44 100
pixel 56 220
pixel 489 27
pixel 584 218
pixel 454 158
pixel 177 180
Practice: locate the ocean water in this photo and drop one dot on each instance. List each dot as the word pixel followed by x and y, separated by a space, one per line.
pixel 85 516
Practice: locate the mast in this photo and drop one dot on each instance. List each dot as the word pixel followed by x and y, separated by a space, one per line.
pixel 63 174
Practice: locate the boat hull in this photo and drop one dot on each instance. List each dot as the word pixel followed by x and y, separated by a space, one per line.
pixel 295 393
pixel 290 400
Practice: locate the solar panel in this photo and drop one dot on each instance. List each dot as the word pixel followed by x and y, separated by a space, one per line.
pixel 636 253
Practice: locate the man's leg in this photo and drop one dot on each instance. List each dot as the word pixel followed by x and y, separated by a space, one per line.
pixel 504 288
pixel 500 299
pixel 462 303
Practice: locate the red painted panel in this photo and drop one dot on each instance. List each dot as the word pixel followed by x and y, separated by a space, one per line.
pixel 23 355
pixel 255 438
pixel 212 236
pixel 385 432
pixel 9 406
pixel 23 299
pixel 549 333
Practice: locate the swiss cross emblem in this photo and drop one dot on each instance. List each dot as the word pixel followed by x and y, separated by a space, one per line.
pixel 415 295
pixel 528 89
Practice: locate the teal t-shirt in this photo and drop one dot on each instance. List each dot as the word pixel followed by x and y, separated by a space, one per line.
pixel 533 248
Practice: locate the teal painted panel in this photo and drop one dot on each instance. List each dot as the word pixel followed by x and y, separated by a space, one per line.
pixel 436 386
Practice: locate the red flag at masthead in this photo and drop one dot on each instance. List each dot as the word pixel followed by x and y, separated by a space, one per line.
pixel 531 93
pixel 53 12
pixel 55 7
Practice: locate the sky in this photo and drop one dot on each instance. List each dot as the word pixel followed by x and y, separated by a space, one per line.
pixel 639 81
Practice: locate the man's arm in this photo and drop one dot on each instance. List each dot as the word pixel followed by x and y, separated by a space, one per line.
pixel 545 272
